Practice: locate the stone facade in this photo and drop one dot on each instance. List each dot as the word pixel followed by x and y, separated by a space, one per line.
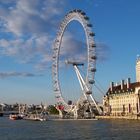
pixel 122 100
pixel 138 69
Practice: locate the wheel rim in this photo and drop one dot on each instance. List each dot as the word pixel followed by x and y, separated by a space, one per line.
pixel 81 17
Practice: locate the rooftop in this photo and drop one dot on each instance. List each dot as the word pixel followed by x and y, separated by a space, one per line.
pixel 117 88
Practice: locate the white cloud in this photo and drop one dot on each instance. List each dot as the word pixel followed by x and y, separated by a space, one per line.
pixel 72 47
pixel 4 43
pixel 31 24
pixel 31 16
pixel 16 74
pixel 103 51
pixel 45 62
pixel 25 50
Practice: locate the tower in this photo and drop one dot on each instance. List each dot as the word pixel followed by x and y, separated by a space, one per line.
pixel 138 69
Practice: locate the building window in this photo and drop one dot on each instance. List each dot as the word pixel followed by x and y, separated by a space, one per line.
pixel 139 100
pixel 129 108
pixel 123 109
pixel 137 107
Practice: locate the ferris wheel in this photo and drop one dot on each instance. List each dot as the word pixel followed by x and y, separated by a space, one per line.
pixel 86 82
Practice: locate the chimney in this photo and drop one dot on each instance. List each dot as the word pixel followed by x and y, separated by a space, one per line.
pixel 116 84
pixel 122 84
pixel 111 86
pixel 128 83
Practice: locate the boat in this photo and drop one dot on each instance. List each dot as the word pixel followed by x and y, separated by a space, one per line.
pixel 35 119
pixel 15 117
pixel 36 116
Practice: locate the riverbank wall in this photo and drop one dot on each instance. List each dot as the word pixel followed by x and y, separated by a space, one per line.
pixel 119 117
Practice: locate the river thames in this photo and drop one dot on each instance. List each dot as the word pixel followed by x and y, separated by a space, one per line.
pixel 69 130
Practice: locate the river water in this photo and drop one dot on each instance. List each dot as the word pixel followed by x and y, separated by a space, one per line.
pixel 69 130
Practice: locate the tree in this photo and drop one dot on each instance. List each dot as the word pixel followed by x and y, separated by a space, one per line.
pixel 52 110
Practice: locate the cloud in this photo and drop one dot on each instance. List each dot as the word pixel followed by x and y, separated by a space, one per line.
pixel 25 50
pixel 102 51
pixel 31 16
pixel 95 3
pixel 16 74
pixel 4 43
pixel 28 27
pixel 45 62
pixel 77 50
pixel 72 47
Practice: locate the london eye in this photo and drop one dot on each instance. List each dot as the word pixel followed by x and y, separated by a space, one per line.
pixel 86 82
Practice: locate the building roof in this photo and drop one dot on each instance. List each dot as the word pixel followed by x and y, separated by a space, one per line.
pixel 117 88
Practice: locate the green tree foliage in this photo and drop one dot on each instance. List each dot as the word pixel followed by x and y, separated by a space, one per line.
pixel 52 110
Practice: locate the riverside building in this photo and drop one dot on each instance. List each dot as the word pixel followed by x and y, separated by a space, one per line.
pixel 123 99
pixel 138 69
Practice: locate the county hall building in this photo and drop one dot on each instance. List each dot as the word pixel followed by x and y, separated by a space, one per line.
pixel 123 99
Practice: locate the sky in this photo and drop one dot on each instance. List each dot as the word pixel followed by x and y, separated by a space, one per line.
pixel 28 29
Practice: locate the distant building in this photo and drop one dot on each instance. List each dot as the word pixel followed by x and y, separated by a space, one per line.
pixel 123 99
pixel 138 69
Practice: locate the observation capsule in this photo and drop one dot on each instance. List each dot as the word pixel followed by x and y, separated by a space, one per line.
pixel 89 25
pixel 86 18
pixel 93 70
pixel 92 34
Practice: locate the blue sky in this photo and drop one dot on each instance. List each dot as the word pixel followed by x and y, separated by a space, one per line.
pixel 28 28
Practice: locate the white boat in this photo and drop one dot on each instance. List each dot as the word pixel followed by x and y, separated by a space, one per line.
pixel 36 117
